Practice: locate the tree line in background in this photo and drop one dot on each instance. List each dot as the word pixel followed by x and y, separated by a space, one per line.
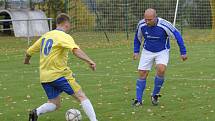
pixel 78 11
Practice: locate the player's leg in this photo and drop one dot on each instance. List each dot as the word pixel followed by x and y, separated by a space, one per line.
pixel 140 87
pixel 86 105
pixel 145 64
pixel 75 90
pixel 159 78
pixel 46 107
pixel 52 104
pixel 158 82
pixel 161 63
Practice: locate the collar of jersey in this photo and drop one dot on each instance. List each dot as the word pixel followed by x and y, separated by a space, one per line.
pixel 156 21
pixel 59 30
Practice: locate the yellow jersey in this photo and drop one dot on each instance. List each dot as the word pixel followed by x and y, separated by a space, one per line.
pixel 54 47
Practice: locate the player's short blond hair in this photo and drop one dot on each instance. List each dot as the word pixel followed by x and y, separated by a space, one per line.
pixel 62 17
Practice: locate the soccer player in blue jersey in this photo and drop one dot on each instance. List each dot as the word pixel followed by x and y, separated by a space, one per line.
pixel 156 32
pixel 55 75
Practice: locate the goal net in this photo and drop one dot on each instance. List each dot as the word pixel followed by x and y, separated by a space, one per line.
pixel 195 18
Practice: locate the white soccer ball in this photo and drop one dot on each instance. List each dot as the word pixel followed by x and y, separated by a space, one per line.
pixel 73 115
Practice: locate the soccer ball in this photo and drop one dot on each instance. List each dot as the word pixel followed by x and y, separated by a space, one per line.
pixel 73 115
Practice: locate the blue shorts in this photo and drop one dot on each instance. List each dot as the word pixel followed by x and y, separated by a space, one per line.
pixel 55 88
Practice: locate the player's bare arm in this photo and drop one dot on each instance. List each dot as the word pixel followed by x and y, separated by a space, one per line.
pixel 27 59
pixel 81 54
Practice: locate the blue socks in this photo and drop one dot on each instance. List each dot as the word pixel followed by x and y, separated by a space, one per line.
pixel 140 87
pixel 158 82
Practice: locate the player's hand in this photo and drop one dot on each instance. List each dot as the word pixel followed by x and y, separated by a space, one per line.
pixel 135 56
pixel 92 65
pixel 27 59
pixel 184 57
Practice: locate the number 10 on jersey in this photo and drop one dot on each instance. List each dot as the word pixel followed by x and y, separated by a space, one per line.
pixel 46 46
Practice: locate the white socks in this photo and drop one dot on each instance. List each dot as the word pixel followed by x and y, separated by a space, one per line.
pixel 46 107
pixel 88 109
pixel 86 105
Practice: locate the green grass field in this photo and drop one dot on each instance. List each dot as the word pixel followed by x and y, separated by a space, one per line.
pixel 188 93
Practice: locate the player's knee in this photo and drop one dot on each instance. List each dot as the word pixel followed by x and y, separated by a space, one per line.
pixel 80 95
pixel 55 102
pixel 143 74
pixel 161 72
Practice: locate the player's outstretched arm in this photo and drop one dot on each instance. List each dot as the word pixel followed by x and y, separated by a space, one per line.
pixel 27 59
pixel 81 54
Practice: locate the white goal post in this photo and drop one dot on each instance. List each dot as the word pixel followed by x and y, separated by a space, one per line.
pixel 176 11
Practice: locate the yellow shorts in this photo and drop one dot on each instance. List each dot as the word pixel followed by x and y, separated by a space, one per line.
pixel 75 86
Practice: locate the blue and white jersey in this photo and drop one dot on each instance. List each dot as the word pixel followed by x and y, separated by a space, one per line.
pixel 156 38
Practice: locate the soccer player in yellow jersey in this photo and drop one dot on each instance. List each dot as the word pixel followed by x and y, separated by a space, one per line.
pixel 55 76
